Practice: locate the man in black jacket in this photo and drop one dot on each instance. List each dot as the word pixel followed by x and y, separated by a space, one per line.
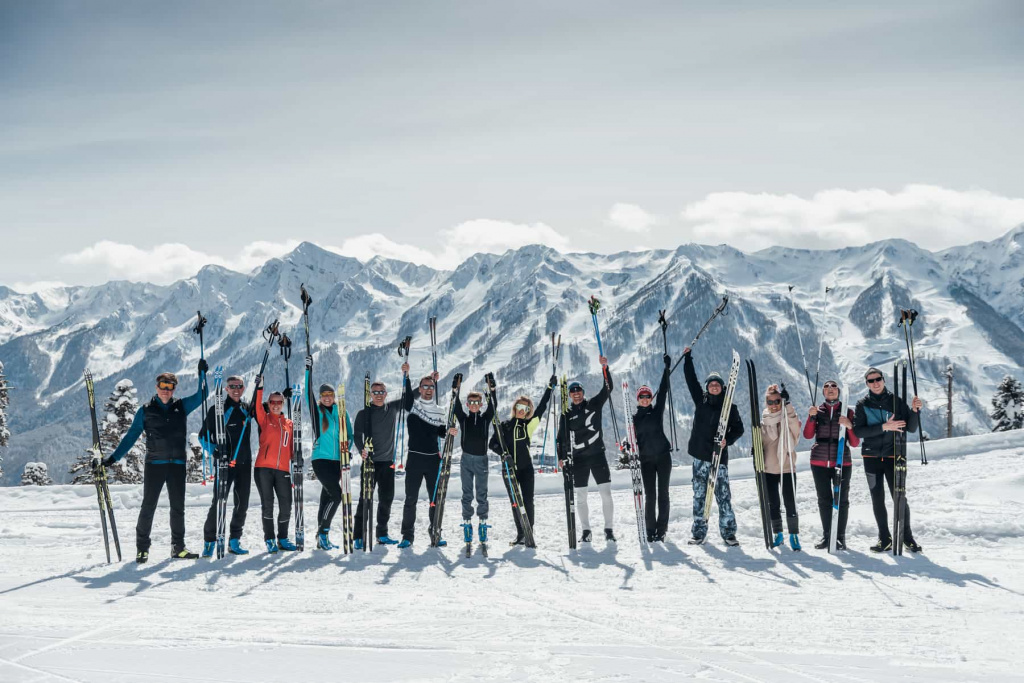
pixel 584 421
pixel 701 447
pixel 474 426
pixel 881 426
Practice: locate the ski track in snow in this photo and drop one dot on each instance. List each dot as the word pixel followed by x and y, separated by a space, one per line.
pixel 604 613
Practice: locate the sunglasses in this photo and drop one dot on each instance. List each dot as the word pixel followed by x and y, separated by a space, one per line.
pixel 577 390
pixel 774 402
pixel 379 392
pixel 277 403
pixel 875 380
pixel 474 403
pixel 425 387
pixel 831 385
pixel 643 396
pixel 166 386
pixel 236 386
pixel 327 394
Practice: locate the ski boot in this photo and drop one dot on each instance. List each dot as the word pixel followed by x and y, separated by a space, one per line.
pixel 323 542
pixel 208 548
pixel 271 545
pixel 183 554
pixel 482 531
pixel 285 544
pixel 777 541
pixel 586 537
pixel 235 547
pixel 731 541
pixel 883 545
pixel 823 543
pixel 406 543
pixel 357 544
pixel 794 543
pixel 142 557
pixel 520 540
pixel 911 545
pixel 467 532
pixel 386 540
pixel 609 536
pixel 441 543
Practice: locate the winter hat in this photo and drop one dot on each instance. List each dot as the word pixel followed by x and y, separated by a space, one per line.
pixel 326 389
pixel 714 377
pixel 873 371
pixel 644 390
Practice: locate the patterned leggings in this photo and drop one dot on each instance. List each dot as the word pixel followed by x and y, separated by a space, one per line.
pixel 726 517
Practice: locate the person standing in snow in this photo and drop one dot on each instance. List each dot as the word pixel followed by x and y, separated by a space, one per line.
pixel 780 431
pixel 326 418
pixel 655 453
pixel 236 415
pixel 824 424
pixel 584 422
pixel 708 401
pixel 516 432
pixel 425 424
pixel 164 420
pixel 273 468
pixel 473 426
pixel 376 424
pixel 877 424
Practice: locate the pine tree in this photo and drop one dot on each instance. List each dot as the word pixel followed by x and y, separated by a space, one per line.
pixel 194 464
pixel 5 434
pixel 35 474
pixel 119 411
pixel 1008 405
pixel 81 468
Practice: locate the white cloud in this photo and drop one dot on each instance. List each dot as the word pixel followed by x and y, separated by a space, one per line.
pixel 37 287
pixel 365 247
pixel 933 217
pixel 631 218
pixel 493 236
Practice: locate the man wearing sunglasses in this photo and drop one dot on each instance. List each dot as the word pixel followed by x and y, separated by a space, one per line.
pixel 584 421
pixel 425 425
pixel 876 423
pixel 708 401
pixel 239 451
pixel 164 420
pixel 474 426
pixel 378 423
pixel 824 424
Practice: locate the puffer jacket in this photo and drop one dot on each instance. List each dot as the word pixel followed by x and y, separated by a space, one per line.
pixel 275 437
pixel 824 428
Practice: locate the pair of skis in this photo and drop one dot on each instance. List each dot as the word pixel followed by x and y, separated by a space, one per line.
pixel 99 476
pixel 723 425
pixel 569 446
pixel 633 454
pixel 757 451
pixel 444 474
pixel 345 459
pixel 899 484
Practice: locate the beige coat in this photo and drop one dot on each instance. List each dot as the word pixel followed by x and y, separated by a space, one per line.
pixel 771 424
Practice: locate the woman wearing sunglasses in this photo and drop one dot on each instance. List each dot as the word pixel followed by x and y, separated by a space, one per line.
pixel 326 458
pixel 824 424
pixel 780 431
pixel 517 431
pixel 655 454
pixel 474 426
pixel 273 467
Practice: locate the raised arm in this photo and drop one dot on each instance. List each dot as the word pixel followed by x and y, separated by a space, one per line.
pixel 692 383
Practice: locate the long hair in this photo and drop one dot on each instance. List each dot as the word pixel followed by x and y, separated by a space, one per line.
pixel 527 401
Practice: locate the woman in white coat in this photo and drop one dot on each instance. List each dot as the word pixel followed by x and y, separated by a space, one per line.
pixel 780 463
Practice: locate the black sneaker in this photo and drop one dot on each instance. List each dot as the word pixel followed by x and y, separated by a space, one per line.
pixel 823 543
pixel 731 541
pixel 650 538
pixel 660 538
pixel 586 537
pixel 840 544
pixel 608 535
pixel 184 554
pixel 911 545
pixel 520 540
pixel 696 540
pixel 882 546
pixel 142 557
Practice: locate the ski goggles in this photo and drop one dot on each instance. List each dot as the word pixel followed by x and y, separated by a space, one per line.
pixel 166 386
pixel 474 402
pixel 522 407
pixel 831 385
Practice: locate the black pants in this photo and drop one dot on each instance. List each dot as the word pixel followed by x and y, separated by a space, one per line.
pixel 419 468
pixel 154 478
pixel 526 477
pixel 239 481
pixel 655 474
pixel 328 473
pixel 880 472
pixel 271 482
pixel 384 482
pixel 774 507
pixel 823 486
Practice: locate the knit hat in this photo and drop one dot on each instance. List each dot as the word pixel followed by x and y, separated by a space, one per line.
pixel 873 371
pixel 644 390
pixel 326 389
pixel 714 377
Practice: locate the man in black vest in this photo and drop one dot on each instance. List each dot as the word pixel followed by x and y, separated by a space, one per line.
pixel 164 420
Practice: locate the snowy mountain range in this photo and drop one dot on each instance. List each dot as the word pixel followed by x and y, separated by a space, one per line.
pixel 496 313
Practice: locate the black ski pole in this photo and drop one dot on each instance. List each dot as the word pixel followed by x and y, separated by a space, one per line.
pixel 718 311
pixel 286 350
pixel 198 329
pixel 671 404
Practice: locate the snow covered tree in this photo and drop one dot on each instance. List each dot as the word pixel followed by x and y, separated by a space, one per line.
pixel 35 474
pixel 194 466
pixel 1008 405
pixel 81 468
pixel 119 411
pixel 5 434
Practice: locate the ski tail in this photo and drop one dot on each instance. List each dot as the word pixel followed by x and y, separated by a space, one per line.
pixel 757 452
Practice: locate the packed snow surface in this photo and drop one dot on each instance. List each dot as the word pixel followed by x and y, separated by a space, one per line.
pixel 608 612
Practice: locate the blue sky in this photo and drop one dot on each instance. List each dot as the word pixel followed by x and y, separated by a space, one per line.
pixel 142 139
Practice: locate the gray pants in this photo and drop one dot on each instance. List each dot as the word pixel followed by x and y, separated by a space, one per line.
pixel 473 468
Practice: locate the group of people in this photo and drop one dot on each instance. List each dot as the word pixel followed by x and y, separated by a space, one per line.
pixel 580 439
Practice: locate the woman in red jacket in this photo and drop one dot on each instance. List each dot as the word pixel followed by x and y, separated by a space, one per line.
pixel 824 424
pixel 273 467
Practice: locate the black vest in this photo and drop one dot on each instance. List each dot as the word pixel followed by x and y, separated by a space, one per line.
pixel 166 430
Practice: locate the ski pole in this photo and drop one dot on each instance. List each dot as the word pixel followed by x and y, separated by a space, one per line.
pixel 663 323
pixel 270 334
pixel 433 353
pixel 595 306
pixel 547 416
pixel 198 329
pixel 821 346
pixel 399 451
pixel 800 339
pixel 718 311
pixel 907 318
pixel 286 350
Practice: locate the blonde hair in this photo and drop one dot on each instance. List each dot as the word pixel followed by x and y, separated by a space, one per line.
pixel 527 401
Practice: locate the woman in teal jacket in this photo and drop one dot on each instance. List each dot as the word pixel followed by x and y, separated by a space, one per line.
pixel 327 449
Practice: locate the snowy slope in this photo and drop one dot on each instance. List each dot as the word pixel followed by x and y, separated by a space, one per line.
pixel 604 613
pixel 496 312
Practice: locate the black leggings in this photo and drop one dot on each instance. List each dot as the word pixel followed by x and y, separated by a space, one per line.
pixel 789 494
pixel 240 483
pixel 154 478
pixel 879 472
pixel 823 487
pixel 525 476
pixel 328 473
pixel 271 482
pixel 655 474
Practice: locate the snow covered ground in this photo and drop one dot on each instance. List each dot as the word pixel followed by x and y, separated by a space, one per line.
pixel 606 613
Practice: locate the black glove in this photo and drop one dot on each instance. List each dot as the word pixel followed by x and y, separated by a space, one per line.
pixel 553 382
pixel 784 393
pixel 668 361
pixel 203 366
pixel 108 461
pixel 259 381
pixel 309 362
pixel 287 393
